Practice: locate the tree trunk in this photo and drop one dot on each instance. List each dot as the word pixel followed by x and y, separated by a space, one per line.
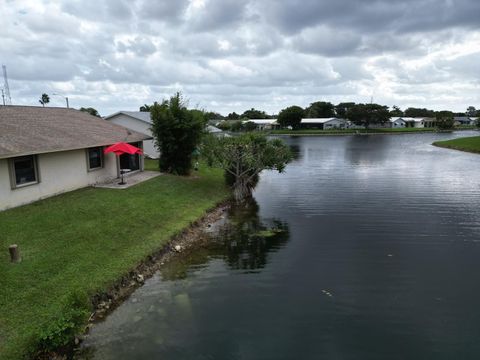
pixel 241 190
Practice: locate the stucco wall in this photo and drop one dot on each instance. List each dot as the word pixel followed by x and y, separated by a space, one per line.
pixel 58 173
pixel 140 126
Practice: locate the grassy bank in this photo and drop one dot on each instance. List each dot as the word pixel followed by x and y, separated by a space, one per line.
pixel 349 131
pixel 77 244
pixel 470 144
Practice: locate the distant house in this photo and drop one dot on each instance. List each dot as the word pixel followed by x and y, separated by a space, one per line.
pixel 139 121
pixel 323 123
pixel 397 122
pixel 47 151
pixel 263 124
pixel 216 131
pixel 464 120
pixel 411 122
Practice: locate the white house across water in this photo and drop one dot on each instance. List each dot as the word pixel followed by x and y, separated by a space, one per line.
pixel 324 123
pixel 48 151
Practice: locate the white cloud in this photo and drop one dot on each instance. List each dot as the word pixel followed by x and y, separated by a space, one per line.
pixel 233 55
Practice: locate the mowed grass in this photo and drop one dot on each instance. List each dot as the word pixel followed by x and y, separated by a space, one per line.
pixel 470 144
pixel 81 242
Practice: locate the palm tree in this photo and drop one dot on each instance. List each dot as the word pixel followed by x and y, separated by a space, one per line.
pixel 45 99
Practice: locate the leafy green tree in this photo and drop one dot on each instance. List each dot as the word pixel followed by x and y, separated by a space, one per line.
pixel 177 132
pixel 368 114
pixel 320 109
pixel 91 111
pixel 244 157
pixel 254 114
pixel 396 111
pixel 145 108
pixel 236 126
pixel 342 108
pixel 291 116
pixel 471 111
pixel 233 116
pixel 44 99
pixel 445 120
pixel 211 115
pixel 249 126
pixel 417 112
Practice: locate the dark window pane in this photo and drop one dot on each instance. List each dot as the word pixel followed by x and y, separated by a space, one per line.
pixel 95 158
pixel 24 170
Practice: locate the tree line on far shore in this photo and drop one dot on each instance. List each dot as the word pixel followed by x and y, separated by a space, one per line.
pixel 360 114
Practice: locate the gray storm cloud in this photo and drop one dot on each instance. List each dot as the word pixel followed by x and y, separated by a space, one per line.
pixel 229 55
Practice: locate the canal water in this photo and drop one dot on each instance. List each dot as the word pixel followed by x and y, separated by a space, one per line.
pixel 367 247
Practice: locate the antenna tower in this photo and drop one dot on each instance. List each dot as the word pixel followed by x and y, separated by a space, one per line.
pixel 6 90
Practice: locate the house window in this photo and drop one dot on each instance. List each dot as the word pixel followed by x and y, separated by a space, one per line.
pixel 95 158
pixel 23 171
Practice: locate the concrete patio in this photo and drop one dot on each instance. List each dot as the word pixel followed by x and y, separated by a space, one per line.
pixel 130 180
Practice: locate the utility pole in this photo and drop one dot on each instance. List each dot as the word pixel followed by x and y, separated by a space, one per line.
pixel 65 97
pixel 6 90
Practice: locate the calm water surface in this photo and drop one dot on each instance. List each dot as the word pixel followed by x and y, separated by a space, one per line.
pixel 367 247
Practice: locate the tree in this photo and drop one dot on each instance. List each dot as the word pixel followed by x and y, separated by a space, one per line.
pixel 249 126
pixel 368 114
pixel 417 112
pixel 471 111
pixel 44 100
pixel 244 157
pixel 320 109
pixel 145 108
pixel 342 108
pixel 177 132
pixel 211 115
pixel 233 116
pixel 254 114
pixel 445 120
pixel 91 111
pixel 396 111
pixel 291 116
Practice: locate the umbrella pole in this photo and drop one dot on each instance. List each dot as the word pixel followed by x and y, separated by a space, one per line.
pixel 121 173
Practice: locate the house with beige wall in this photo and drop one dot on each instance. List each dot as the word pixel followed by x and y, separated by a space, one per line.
pixel 48 151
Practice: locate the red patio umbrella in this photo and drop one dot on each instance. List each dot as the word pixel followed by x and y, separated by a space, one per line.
pixel 121 148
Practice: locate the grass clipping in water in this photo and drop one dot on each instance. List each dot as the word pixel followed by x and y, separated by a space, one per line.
pixel 268 232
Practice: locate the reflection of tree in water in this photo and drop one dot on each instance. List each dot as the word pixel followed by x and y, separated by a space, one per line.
pixel 243 242
pixel 247 241
pixel 367 149
pixel 295 149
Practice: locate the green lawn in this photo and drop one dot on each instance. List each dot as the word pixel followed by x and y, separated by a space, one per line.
pixel 82 241
pixel 470 144
pixel 349 131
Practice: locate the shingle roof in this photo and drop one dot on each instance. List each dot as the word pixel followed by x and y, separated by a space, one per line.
pixel 26 130
pixel 319 120
pixel 139 115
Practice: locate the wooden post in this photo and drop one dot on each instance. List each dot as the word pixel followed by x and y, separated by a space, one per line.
pixel 14 253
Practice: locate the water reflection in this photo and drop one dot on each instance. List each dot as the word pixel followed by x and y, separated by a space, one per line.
pixel 367 149
pixel 241 240
pixel 380 260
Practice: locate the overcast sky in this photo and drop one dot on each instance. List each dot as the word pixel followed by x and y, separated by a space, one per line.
pixel 231 55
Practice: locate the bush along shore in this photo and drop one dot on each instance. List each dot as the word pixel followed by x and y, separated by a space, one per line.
pixel 86 250
pixel 468 144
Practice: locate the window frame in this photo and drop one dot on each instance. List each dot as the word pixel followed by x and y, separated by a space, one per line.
pixel 102 159
pixel 13 175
